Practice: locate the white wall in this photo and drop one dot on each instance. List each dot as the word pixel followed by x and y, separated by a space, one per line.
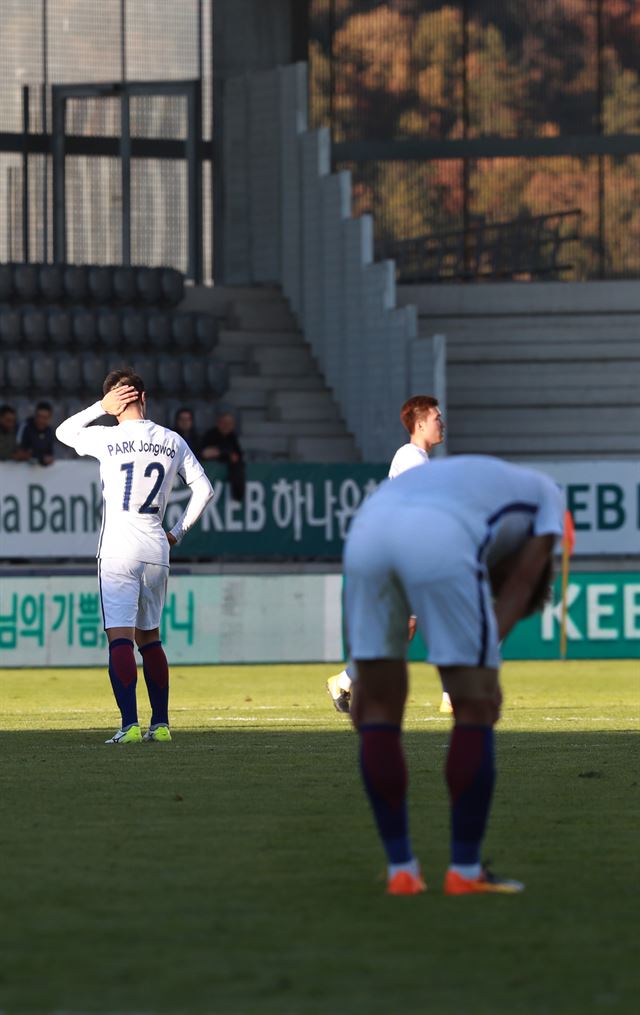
pixel 288 221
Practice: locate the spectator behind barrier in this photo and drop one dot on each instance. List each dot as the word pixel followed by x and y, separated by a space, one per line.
pixel 36 437
pixel 183 424
pixel 221 444
pixel 8 433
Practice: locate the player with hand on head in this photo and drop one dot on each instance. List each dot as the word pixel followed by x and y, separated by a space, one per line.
pixel 139 462
pixel 443 543
pixel 422 419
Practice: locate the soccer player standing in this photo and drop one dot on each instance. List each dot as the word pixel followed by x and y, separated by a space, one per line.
pixel 422 419
pixel 440 543
pixel 139 462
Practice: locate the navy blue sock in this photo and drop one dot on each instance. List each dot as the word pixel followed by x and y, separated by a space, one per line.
pixel 384 773
pixel 156 676
pixel 471 775
pixel 124 677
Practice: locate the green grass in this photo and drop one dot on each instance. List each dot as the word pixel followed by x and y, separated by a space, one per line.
pixel 236 870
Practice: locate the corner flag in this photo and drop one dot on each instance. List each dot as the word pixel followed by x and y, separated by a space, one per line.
pixel 568 546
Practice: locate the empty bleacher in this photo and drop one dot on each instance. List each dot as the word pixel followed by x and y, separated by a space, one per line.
pixel 63 327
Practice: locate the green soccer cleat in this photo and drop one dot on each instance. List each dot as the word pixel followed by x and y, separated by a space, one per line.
pixel 131 735
pixel 161 734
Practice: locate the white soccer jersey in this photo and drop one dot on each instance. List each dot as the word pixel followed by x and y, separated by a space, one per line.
pixel 423 543
pixel 405 458
pixel 139 461
pixel 498 503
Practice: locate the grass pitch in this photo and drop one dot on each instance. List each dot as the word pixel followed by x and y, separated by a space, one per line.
pixel 236 870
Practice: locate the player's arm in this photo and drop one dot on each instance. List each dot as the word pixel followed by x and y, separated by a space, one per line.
pixel 73 431
pixel 192 473
pixel 522 589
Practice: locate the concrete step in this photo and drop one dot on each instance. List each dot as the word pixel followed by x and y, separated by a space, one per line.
pixel 563 328
pixel 324 449
pixel 504 353
pixel 229 352
pixel 252 418
pixel 585 421
pixel 258 394
pixel 517 375
pixel 298 405
pixel 228 336
pixel 543 445
pixel 283 362
pixel 517 395
pixel 277 445
pixel 253 382
pixel 303 428
pixel 246 398
pixel 263 315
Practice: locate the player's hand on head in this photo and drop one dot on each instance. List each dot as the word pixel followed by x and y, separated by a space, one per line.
pixel 116 400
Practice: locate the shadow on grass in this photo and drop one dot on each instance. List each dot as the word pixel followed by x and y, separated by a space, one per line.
pixel 237 871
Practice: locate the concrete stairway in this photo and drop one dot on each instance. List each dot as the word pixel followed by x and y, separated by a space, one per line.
pixel 551 370
pixel 285 410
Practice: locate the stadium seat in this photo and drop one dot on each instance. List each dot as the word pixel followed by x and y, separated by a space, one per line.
pixel 172 287
pixel 83 326
pixel 23 406
pixel 94 372
pixel 59 329
pixel 194 375
pixel 6 282
pixel 133 328
pixel 217 375
pixel 109 328
pixel 146 367
pixel 69 372
pixel 73 405
pixel 149 285
pixel 158 330
pixel 25 282
pixel 100 281
pixel 182 332
pixel 169 376
pixel 34 326
pixel 43 373
pixel 124 285
pixel 51 282
pixel 169 409
pixel 204 414
pixel 18 370
pixel 76 283
pixel 10 326
pixel 205 332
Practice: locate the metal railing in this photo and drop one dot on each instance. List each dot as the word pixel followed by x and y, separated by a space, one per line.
pixel 528 248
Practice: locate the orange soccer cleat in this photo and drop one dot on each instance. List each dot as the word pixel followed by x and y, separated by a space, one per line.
pixel 455 884
pixel 405 883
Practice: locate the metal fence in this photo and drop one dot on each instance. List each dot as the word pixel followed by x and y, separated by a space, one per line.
pixel 118 177
pixel 458 114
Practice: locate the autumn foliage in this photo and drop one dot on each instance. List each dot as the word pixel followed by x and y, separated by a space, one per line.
pixel 516 68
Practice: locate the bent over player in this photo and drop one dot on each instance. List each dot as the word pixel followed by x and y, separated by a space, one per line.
pixel 139 461
pixel 421 417
pixel 439 542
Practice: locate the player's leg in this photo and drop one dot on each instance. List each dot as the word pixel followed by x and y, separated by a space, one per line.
pixel 118 585
pixel 377 614
pixel 453 605
pixel 340 686
pixel 154 661
pixel 377 709
pixel 470 774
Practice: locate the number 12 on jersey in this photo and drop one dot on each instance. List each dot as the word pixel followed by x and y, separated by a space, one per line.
pixel 148 508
